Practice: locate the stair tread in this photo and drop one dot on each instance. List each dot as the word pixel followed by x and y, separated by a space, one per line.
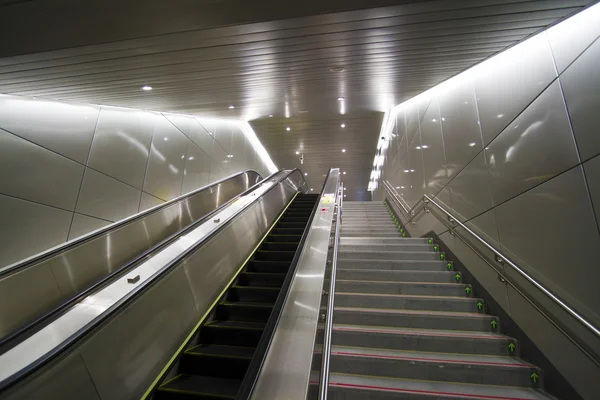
pixel 452 284
pixel 235 324
pixel 221 350
pixel 431 356
pixel 391 271
pixel 207 385
pixel 411 296
pixel 246 304
pixel 432 388
pixel 420 332
pixel 413 312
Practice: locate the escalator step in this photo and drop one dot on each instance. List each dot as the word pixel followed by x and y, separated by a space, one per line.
pixel 274 255
pixel 284 238
pixel 261 279
pixel 217 361
pixel 244 311
pixel 232 333
pixel 253 294
pixel 279 246
pixel 267 266
pixel 287 231
pixel 296 225
pixel 195 386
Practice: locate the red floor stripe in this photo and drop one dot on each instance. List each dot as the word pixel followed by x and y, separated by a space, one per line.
pixel 424 334
pixel 473 396
pixel 343 353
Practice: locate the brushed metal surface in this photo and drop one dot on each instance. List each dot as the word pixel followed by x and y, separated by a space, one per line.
pixel 64 128
pixel 470 189
pixel 137 332
pixel 148 201
pixel 286 370
pixel 166 163
pixel 505 84
pixel 83 224
pixel 592 176
pixel 581 84
pixel 121 144
pixel 535 147
pixel 193 129
pixel 30 172
pixel 560 202
pixel 460 126
pixel 23 217
pixel 414 172
pixel 197 169
pixel 77 267
pixel 432 148
pixel 106 198
pixel 571 37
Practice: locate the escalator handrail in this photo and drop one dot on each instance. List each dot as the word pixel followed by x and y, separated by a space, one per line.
pixel 25 331
pixel 66 344
pixel 49 253
pixel 501 258
pixel 249 381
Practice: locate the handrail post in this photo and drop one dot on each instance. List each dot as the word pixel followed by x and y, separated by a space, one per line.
pixel 326 352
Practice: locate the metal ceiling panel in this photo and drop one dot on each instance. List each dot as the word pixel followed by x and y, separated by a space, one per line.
pixel 266 59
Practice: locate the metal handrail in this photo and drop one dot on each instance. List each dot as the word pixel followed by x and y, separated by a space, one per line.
pixel 326 353
pixel 396 198
pixel 501 258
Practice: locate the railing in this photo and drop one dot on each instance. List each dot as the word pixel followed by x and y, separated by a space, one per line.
pixel 324 378
pixel 423 206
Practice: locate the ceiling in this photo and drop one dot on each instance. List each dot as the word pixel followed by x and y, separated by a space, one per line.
pixel 265 58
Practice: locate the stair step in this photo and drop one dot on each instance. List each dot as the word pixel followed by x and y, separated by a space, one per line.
pixel 408 288
pixel 386 247
pixel 360 387
pixel 416 319
pixel 392 265
pixel 430 340
pixel 396 276
pixel 394 255
pixel 480 370
pixel 381 240
pixel 195 386
pixel 406 302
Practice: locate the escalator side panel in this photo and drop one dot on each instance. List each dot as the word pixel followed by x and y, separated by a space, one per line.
pixel 125 355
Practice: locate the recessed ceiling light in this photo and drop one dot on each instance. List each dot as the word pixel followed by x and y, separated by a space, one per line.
pixel 288 129
pixel 337 69
pixel 166 139
pixel 146 87
pixel 424 146
pixel 343 125
pixel 231 107
pixel 297 152
pixel 270 115
pixel 191 158
pixel 229 155
pixel 418 147
pixel 311 189
pixel 344 172
pixel 406 170
pixel 340 99
pixel 397 187
pixel 412 170
pixel 182 157
pixel 306 174
pixel 472 144
pixel 343 150
pixel 345 188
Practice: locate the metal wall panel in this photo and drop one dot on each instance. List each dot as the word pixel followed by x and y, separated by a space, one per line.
pixel 471 189
pixel 148 201
pixel 571 37
pixel 550 231
pixel 64 128
pixel 30 172
pixel 535 147
pixel 592 175
pixel 414 172
pixel 197 169
pixel 121 144
pixel 505 84
pixel 581 85
pixel 432 147
pixel 83 224
pixel 27 235
pixel 106 198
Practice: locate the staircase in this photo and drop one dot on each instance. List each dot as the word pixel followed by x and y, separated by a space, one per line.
pixel 406 327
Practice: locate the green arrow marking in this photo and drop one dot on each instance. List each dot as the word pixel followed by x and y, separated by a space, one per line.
pixel 457 277
pixel 494 324
pixel 442 256
pixel 534 377
pixel 449 265
pixel 467 289
pixel 403 234
pixel 479 305
pixel 436 248
pixel 511 347
pixel 430 241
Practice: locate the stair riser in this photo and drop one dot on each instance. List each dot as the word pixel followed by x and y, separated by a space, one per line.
pixel 355 233
pixel 424 370
pixel 343 393
pixel 363 255
pixel 224 367
pixel 416 321
pixel 386 247
pixel 419 289
pixel 455 344
pixel 396 276
pixel 437 266
pixel 468 305
pixel 381 240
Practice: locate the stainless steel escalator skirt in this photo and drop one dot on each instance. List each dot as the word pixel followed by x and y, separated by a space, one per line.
pixel 115 343
pixel 37 285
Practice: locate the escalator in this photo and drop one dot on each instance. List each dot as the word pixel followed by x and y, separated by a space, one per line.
pixel 214 362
